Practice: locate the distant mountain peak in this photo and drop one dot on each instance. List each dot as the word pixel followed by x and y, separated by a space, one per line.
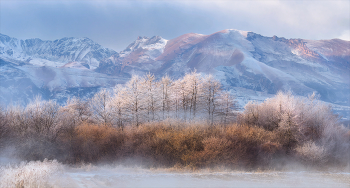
pixel 243 33
pixel 149 48
pixel 54 53
pixel 141 37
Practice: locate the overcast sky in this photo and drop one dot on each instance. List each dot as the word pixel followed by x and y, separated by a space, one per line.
pixel 115 24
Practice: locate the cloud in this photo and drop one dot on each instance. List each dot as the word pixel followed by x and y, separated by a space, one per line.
pixel 345 35
pixel 115 24
pixel 292 19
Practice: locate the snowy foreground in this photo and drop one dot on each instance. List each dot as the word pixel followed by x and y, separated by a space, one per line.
pixel 54 174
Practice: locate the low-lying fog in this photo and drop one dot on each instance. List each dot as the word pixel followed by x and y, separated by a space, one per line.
pixel 54 174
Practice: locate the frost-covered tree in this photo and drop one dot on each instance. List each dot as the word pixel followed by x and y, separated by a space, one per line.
pixel 4 129
pixel 151 93
pixel 76 111
pixel 314 116
pixel 120 105
pixel 166 90
pixel 211 91
pixel 182 97
pixel 270 113
pixel 227 107
pixel 176 98
pixel 193 86
pixel 41 117
pixel 101 107
pixel 17 119
pixel 305 124
pixel 134 97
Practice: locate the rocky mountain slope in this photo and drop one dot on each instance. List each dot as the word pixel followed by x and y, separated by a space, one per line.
pixel 52 69
pixel 251 66
pixel 54 53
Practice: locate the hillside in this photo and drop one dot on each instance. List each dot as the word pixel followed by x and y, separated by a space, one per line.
pixel 251 66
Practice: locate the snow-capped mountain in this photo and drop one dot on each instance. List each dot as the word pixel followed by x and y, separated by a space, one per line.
pixel 251 66
pixel 251 61
pixel 53 69
pixel 139 57
pixel 146 49
pixel 56 53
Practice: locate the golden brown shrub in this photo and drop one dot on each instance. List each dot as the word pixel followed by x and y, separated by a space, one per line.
pixel 181 145
pixel 185 145
pixel 93 143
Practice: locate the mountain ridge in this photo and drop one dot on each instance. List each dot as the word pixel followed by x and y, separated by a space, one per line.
pixel 251 66
pixel 59 51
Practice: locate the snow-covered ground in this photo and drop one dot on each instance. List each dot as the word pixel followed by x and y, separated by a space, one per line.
pixel 54 174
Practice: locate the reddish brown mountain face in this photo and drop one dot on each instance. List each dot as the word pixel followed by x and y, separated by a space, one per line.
pixel 251 61
pixel 335 50
pixel 179 45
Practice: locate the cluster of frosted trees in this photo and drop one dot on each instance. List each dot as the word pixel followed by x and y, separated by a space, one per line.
pixel 302 127
pixel 307 125
pixel 145 99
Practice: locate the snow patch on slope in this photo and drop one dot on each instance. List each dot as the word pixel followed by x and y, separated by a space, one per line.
pixel 152 47
pixel 44 62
